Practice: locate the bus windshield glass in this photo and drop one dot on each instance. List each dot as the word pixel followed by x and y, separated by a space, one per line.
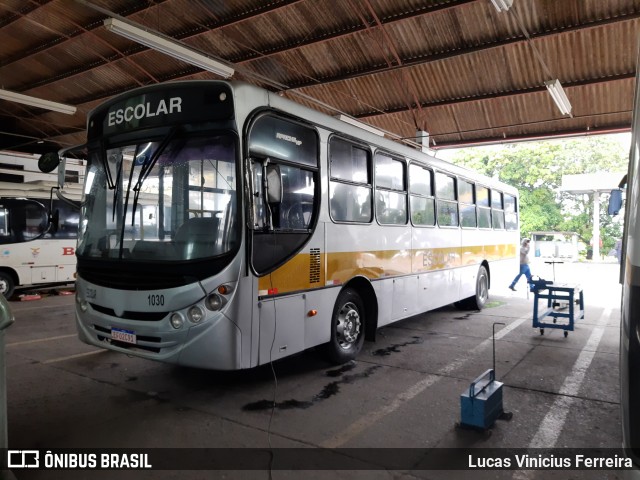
pixel 171 199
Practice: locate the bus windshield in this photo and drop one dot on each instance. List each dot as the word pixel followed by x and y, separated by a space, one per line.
pixel 171 199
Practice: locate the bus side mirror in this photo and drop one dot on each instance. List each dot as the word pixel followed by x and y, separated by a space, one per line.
pixel 274 184
pixel 48 162
pixel 615 202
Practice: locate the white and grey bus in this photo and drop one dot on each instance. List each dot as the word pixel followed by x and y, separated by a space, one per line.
pixel 223 227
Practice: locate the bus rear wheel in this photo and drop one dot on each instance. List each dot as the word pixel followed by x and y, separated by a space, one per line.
pixel 478 301
pixel 347 327
pixel 6 285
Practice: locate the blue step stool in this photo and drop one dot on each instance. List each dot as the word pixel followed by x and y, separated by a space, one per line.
pixel 481 405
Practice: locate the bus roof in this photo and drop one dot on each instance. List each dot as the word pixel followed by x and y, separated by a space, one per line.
pixel 265 98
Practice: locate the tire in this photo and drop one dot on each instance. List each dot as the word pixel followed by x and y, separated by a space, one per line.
pixel 478 301
pixel 7 285
pixel 347 328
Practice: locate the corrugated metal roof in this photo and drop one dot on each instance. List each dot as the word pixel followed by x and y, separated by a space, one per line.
pixel 456 68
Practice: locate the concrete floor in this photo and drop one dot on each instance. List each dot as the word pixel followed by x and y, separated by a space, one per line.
pixel 403 391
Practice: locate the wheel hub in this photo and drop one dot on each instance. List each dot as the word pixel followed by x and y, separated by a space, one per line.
pixel 349 325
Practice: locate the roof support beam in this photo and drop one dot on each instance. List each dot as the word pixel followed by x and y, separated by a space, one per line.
pixel 442 103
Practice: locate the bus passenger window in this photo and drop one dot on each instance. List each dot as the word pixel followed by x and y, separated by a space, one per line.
pixel 466 194
pixel 4 222
pixel 497 210
pixel 447 203
pixel 391 196
pixel 510 212
pixel 350 184
pixel 484 208
pixel 422 202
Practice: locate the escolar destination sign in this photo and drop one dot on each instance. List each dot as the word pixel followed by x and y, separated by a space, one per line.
pixel 162 105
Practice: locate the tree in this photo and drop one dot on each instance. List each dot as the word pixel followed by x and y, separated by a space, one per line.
pixel 536 170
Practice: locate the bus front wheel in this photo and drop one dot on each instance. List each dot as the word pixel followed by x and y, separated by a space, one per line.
pixel 347 327
pixel 6 285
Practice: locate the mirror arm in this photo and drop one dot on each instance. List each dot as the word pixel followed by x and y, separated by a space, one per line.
pixel 265 193
pixel 248 192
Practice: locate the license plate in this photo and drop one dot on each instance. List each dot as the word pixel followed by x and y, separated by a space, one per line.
pixel 126 336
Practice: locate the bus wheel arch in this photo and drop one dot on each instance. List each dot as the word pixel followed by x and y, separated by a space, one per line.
pixel 483 283
pixel 353 314
pixel 366 292
pixel 8 282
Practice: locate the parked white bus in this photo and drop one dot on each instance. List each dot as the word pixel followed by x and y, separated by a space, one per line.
pixel 37 245
pixel 224 227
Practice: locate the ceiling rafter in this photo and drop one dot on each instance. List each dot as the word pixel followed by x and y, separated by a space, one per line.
pixel 429 58
pixel 26 9
pixel 63 37
pixel 249 55
pixel 490 96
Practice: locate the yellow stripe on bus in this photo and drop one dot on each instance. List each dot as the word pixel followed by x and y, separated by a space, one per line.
pixel 339 267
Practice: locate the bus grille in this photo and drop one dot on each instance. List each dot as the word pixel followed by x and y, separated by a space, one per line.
pixel 314 265
pixel 142 316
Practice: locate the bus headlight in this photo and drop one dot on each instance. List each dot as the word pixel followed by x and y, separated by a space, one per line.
pixel 176 320
pixel 82 303
pixel 213 302
pixel 195 314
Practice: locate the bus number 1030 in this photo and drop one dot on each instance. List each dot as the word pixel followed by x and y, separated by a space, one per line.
pixel 156 300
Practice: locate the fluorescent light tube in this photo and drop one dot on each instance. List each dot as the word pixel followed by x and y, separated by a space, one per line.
pixel 356 123
pixel 558 95
pixel 502 5
pixel 37 102
pixel 168 46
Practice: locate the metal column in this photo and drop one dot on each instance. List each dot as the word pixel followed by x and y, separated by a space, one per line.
pixel 6 319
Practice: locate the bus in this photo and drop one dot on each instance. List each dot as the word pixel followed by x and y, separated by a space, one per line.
pixel 630 301
pixel 224 227
pixel 38 236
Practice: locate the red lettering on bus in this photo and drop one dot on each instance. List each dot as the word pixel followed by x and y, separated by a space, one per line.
pixel 68 251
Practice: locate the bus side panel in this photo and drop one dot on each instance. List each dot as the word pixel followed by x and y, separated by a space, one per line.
pixel 281 327
pixel 404 301
pixel 374 252
pixel 317 328
pixel 435 289
pixel 472 253
pixel 435 256
pixel 41 261
pixel 284 322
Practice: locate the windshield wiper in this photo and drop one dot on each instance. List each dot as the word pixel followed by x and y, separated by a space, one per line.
pixel 116 185
pixel 145 170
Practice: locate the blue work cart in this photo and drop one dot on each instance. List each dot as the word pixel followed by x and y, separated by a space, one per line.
pixel 563 301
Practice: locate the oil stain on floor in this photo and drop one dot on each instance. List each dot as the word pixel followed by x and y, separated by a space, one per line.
pixel 329 390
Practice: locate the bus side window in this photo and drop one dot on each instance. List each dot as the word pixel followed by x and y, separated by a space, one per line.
pixel 5 234
pixel 422 202
pixel 391 190
pixel 447 204
pixel 467 197
pixel 497 210
pixel 483 206
pixel 510 212
pixel 350 189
